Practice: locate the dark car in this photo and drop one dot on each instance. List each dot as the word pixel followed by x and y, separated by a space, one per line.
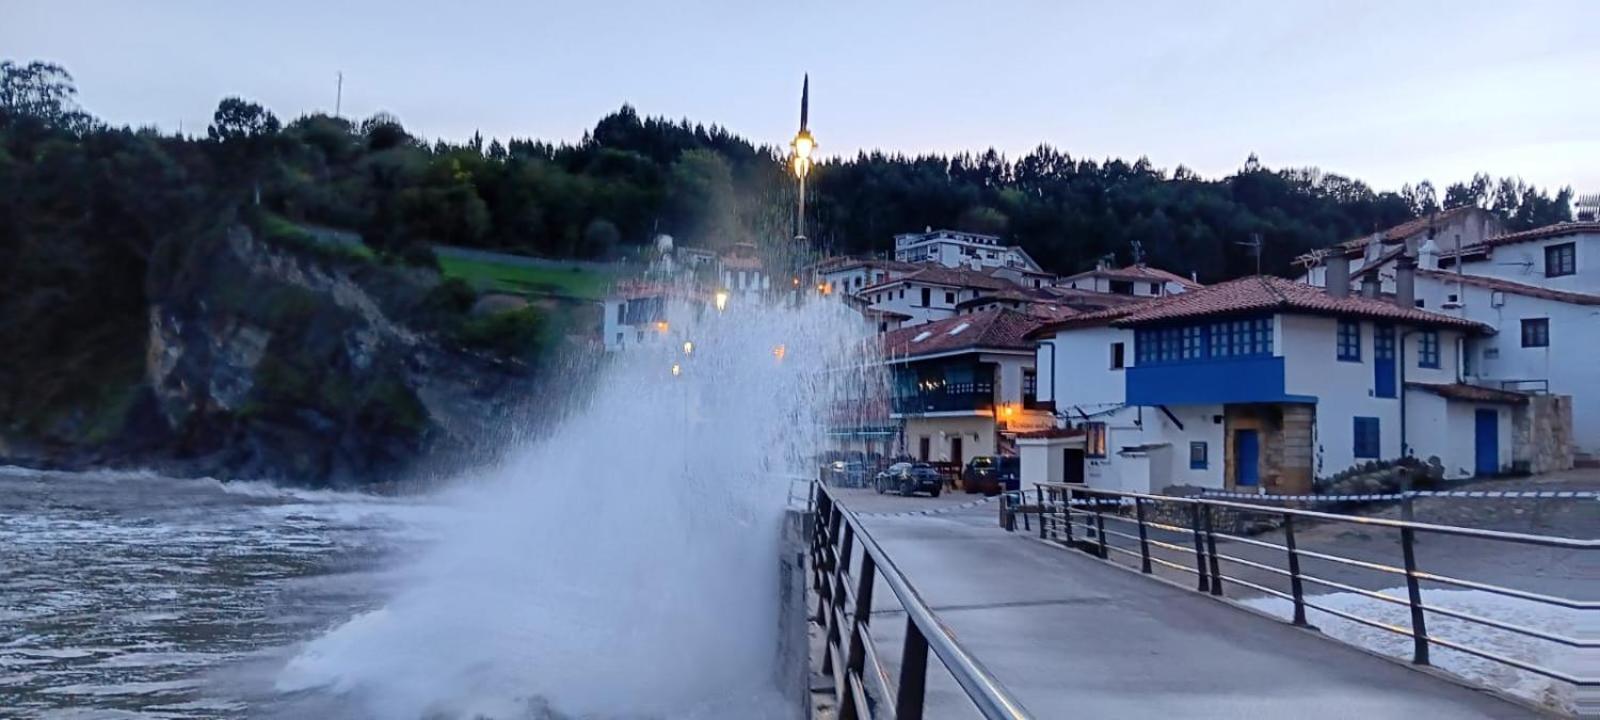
pixel 907 478
pixel 991 475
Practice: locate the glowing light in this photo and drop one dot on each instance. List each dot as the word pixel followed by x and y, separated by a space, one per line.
pixel 797 282
pixel 1009 410
pixel 779 351
pixel 661 326
pixel 688 347
pixel 676 370
pixel 721 299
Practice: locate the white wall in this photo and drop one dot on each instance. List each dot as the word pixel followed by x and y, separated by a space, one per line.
pixel 1447 430
pixel 1344 390
pixel 1524 263
pixel 1571 362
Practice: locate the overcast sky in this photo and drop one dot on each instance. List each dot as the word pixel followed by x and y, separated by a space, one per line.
pixel 1389 92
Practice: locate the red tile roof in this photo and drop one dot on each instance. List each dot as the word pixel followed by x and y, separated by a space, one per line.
pixel 1539 233
pixel 1516 288
pixel 1139 271
pixel 1267 293
pixel 1094 318
pixel 1470 393
pixel 999 329
pixel 1408 228
pixel 836 264
pixel 949 277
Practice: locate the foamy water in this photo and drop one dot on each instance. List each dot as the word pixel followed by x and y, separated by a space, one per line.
pixel 623 567
pixel 626 566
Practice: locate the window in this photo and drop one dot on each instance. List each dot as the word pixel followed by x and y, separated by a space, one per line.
pixel 949 298
pixel 619 338
pixel 927 297
pixel 1118 356
pixel 1366 437
pixel 1121 287
pixel 1467 351
pixel 1094 439
pixel 1198 455
pixel 1234 338
pixel 1536 332
pixel 1428 349
pixel 1349 341
pixel 621 309
pixel 1194 343
pixel 1155 288
pixel 1560 260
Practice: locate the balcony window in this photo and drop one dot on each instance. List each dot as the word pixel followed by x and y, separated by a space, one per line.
pixel 1250 337
pixel 1560 260
pixel 1350 341
pixel 1428 349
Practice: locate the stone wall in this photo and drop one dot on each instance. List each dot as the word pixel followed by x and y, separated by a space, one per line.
pixel 1542 434
pixel 1286 441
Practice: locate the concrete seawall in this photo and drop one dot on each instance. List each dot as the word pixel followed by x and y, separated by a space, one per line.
pixel 793 666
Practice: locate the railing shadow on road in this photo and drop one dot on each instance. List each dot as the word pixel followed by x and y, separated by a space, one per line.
pixel 844 610
pixel 1181 534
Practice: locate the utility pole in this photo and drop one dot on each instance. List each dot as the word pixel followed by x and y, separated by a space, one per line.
pixel 338 98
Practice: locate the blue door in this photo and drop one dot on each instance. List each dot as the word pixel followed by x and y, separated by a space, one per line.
pixel 1487 441
pixel 1246 458
pixel 1383 361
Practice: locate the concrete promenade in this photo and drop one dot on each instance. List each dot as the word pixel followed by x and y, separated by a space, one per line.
pixel 1074 637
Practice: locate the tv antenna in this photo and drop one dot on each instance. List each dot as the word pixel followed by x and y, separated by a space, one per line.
pixel 338 97
pixel 1255 245
pixel 1138 252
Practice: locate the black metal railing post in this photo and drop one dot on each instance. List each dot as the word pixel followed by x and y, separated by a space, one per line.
pixel 1144 536
pixel 1211 551
pixel 1419 623
pixel 1100 527
pixel 1066 515
pixel 1199 548
pixel 1296 589
pixel 841 568
pixel 913 674
pixel 1039 494
pixel 856 659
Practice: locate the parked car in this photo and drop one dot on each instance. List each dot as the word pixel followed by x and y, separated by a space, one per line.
pixel 991 475
pixel 907 478
pixel 847 473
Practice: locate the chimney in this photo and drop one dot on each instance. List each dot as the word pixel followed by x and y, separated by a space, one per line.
pixel 1405 282
pixel 1428 256
pixel 1338 279
pixel 1371 286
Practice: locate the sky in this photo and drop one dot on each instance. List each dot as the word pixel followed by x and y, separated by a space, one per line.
pixel 1387 92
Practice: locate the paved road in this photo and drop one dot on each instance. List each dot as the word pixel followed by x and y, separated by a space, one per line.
pixel 1073 637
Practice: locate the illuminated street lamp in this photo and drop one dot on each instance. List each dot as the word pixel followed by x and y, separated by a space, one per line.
pixel 800 160
pixel 721 299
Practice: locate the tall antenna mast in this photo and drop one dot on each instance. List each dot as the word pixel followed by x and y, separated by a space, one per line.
pixel 338 98
pixel 1255 245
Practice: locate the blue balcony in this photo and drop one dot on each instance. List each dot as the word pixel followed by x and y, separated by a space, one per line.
pixel 1210 382
pixel 955 397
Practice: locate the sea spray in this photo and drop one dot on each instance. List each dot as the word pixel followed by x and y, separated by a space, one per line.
pixel 624 566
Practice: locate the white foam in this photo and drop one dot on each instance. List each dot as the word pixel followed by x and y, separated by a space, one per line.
pixel 627 565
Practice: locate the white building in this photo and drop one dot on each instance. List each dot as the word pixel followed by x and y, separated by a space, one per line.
pixel 843 277
pixel 952 248
pixel 632 315
pixel 1376 253
pixel 930 293
pixel 1138 280
pixel 1262 383
pixel 964 386
pixel 1546 280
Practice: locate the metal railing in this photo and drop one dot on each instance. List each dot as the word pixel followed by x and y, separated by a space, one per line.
pixel 844 609
pixel 1076 516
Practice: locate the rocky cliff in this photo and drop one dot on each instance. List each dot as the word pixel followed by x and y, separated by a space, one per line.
pixel 265 362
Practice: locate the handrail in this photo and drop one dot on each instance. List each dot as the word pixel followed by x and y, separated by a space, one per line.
pixel 835 529
pixel 1063 506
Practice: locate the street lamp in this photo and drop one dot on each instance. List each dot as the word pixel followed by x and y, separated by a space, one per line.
pixel 800 159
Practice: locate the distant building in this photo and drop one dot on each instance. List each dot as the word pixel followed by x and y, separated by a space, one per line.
pixel 1376 253
pixel 1138 280
pixel 1261 383
pixel 963 386
pixel 952 248
pixel 743 272
pixel 634 314
pixel 930 293
pixel 1545 279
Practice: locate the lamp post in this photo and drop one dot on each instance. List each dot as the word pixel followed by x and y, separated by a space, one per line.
pixel 800 158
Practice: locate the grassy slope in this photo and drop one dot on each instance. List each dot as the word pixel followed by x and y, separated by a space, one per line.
pixel 574 282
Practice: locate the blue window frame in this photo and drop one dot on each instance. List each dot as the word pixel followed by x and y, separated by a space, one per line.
pixel 1350 341
pixel 1248 337
pixel 1366 437
pixel 1199 455
pixel 1428 349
